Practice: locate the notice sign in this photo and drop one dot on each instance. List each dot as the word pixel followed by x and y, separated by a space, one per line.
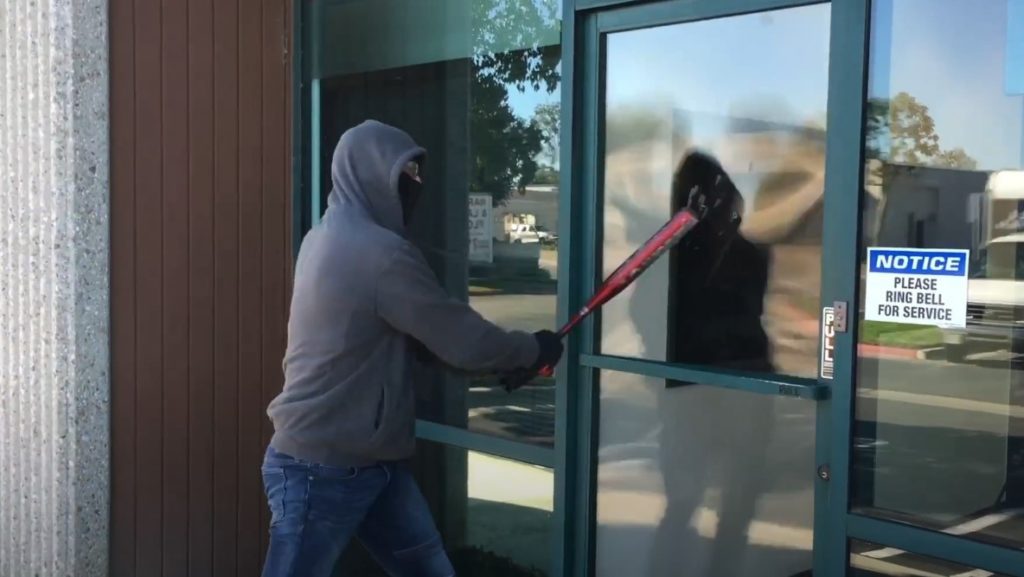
pixel 481 229
pixel 915 286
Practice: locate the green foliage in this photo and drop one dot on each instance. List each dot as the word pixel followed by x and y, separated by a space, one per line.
pixel 956 158
pixel 505 147
pixel 547 176
pixel 899 335
pixel 547 117
pixel 531 25
pixel 912 138
pixel 902 131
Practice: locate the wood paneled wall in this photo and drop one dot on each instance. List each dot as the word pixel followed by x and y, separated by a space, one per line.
pixel 201 269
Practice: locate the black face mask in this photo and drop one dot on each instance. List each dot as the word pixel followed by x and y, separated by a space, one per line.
pixel 409 191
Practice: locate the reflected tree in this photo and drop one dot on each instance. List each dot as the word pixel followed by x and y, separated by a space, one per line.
pixel 504 146
pixel 547 118
pixel 516 47
pixel 956 158
pixel 901 131
pixel 900 136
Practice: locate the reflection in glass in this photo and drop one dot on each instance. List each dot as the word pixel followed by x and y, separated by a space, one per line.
pixel 870 560
pixel 940 412
pixel 702 480
pixel 477 82
pixel 495 515
pixel 755 99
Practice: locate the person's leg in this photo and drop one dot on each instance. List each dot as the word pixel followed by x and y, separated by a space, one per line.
pixel 315 510
pixel 400 532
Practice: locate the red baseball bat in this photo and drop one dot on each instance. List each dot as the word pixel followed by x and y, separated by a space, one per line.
pixel 666 237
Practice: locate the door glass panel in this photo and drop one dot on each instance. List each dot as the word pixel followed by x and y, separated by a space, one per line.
pixel 496 515
pixel 478 84
pixel 870 560
pixel 702 480
pixel 939 437
pixel 751 90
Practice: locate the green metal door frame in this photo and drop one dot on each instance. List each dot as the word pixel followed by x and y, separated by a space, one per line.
pixel 834 525
pixel 574 455
pixel 844 170
pixel 593 19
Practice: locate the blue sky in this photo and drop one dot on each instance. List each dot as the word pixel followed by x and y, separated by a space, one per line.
pixel 775 62
pixel 687 62
pixel 952 56
pixel 949 54
pixel 524 103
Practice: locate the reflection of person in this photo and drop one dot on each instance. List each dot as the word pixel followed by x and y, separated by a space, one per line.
pixel 712 438
pixel 717 278
pixel 344 423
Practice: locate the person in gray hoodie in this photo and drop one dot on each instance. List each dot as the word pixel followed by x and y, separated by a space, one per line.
pixel 344 423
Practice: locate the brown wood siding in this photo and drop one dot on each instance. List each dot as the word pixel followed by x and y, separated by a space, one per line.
pixel 201 268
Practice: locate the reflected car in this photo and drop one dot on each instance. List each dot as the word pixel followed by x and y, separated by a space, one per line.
pixel 995 302
pixel 545 235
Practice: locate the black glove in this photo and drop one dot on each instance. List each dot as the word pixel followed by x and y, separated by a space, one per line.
pixel 550 350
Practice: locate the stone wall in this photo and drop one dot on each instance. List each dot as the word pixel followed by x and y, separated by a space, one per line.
pixel 54 309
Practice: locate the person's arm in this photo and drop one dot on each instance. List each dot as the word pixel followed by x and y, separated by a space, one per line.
pixel 410 299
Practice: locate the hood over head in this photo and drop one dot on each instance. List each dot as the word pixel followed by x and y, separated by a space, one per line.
pixel 365 171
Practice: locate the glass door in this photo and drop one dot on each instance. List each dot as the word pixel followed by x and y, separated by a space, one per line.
pixel 938 443
pixel 757 410
pixel 707 372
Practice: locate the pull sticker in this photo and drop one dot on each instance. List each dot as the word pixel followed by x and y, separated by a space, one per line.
pixel 828 343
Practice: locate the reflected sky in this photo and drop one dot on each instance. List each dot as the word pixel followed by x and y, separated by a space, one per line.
pixel 704 50
pixel 734 102
pixel 947 422
pixel 949 54
pixel 525 102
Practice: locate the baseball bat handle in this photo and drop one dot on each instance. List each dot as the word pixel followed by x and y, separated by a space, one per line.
pixel 548 370
pixel 623 276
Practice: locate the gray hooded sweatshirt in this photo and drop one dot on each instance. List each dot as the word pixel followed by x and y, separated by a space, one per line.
pixel 360 289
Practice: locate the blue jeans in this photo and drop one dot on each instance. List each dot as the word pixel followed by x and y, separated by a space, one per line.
pixel 316 510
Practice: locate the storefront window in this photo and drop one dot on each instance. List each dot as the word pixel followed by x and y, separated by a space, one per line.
pixel 495 515
pixel 477 82
pixel 939 437
pixel 759 107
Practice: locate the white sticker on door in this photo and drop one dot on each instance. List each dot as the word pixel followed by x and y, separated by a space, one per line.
pixel 828 343
pixel 917 286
